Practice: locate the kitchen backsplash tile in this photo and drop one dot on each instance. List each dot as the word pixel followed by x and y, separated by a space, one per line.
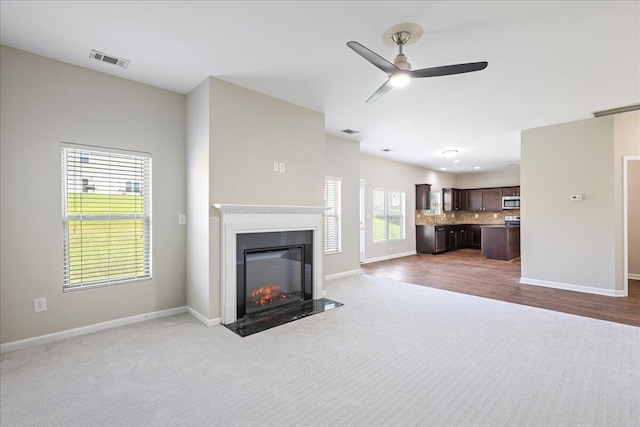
pixel 463 217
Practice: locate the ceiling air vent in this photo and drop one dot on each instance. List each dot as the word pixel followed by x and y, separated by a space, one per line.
pixel 103 57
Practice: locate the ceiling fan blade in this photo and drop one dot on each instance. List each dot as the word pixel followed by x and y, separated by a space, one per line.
pixel 386 87
pixel 446 70
pixel 373 57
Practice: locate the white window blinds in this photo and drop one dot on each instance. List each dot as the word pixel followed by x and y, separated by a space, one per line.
pixel 388 215
pixel 106 202
pixel 332 221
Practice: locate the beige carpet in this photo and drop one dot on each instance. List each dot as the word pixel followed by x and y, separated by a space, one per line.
pixel 394 355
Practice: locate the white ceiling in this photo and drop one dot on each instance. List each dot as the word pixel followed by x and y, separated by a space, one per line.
pixel 549 62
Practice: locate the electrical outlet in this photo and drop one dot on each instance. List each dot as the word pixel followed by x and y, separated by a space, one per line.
pixel 276 168
pixel 182 219
pixel 495 215
pixel 476 215
pixel 281 167
pixel 39 304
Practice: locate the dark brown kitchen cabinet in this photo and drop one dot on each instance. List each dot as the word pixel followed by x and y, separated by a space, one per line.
pixel 492 199
pixel 423 197
pixel 455 237
pixel 474 199
pixel 511 191
pixel 501 242
pixel 484 199
pixel 474 236
pixel 453 199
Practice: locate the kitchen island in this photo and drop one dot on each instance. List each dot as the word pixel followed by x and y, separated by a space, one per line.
pixel 501 242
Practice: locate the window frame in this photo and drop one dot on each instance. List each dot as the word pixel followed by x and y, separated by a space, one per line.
pixel 334 212
pixel 386 216
pixel 72 175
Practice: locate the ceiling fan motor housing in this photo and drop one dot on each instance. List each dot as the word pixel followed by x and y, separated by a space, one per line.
pixel 401 62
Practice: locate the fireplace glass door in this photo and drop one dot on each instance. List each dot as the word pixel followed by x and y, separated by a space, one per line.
pixel 273 277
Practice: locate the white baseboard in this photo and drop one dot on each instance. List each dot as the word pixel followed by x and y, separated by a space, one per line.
pixel 390 256
pixel 343 274
pixel 203 319
pixel 634 276
pixel 89 329
pixel 570 287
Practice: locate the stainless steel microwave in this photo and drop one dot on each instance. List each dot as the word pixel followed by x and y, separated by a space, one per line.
pixel 511 202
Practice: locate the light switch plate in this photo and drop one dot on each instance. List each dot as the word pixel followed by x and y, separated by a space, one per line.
pixel 39 304
pixel 182 219
pixel 281 167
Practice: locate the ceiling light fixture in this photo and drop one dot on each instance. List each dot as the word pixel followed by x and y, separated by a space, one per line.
pixel 386 150
pixel 443 169
pixel 476 167
pixel 349 131
pixel 449 153
pixel 456 161
pixel 399 79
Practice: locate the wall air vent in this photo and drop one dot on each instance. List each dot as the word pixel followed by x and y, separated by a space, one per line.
pixel 103 57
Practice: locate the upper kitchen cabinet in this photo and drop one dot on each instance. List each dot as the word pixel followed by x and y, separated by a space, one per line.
pixel 492 199
pixel 454 199
pixel 423 197
pixel 484 199
pixel 511 191
pixel 474 199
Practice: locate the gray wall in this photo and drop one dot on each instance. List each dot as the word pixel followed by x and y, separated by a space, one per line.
pixel 197 191
pixel 248 131
pixel 391 175
pixel 342 159
pixel 575 245
pixel 509 176
pixel 45 102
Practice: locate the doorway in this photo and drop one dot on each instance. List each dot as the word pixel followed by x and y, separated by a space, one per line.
pixel 362 216
pixel 631 213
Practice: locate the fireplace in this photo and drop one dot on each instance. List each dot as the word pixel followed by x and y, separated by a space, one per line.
pixel 253 241
pixel 273 269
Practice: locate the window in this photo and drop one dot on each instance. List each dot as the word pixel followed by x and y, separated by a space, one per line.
pixel 436 208
pixel 332 221
pixel 388 215
pixel 106 232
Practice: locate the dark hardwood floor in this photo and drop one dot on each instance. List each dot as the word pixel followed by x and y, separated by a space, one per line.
pixel 467 271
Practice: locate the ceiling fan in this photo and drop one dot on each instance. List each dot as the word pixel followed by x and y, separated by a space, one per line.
pixel 400 72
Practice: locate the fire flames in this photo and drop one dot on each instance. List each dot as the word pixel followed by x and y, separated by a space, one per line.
pixel 268 295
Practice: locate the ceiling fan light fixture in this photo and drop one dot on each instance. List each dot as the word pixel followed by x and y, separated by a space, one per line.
pixel 399 79
pixel 449 153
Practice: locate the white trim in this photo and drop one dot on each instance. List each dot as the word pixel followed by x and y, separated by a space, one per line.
pixel 633 276
pixel 269 209
pixel 111 150
pixel 238 219
pixel 387 257
pixel 571 287
pixel 343 274
pixel 203 319
pixel 89 329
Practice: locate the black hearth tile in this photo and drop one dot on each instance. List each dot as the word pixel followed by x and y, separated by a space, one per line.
pixel 268 319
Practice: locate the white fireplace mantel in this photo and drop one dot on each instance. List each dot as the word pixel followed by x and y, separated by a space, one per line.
pixel 237 219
